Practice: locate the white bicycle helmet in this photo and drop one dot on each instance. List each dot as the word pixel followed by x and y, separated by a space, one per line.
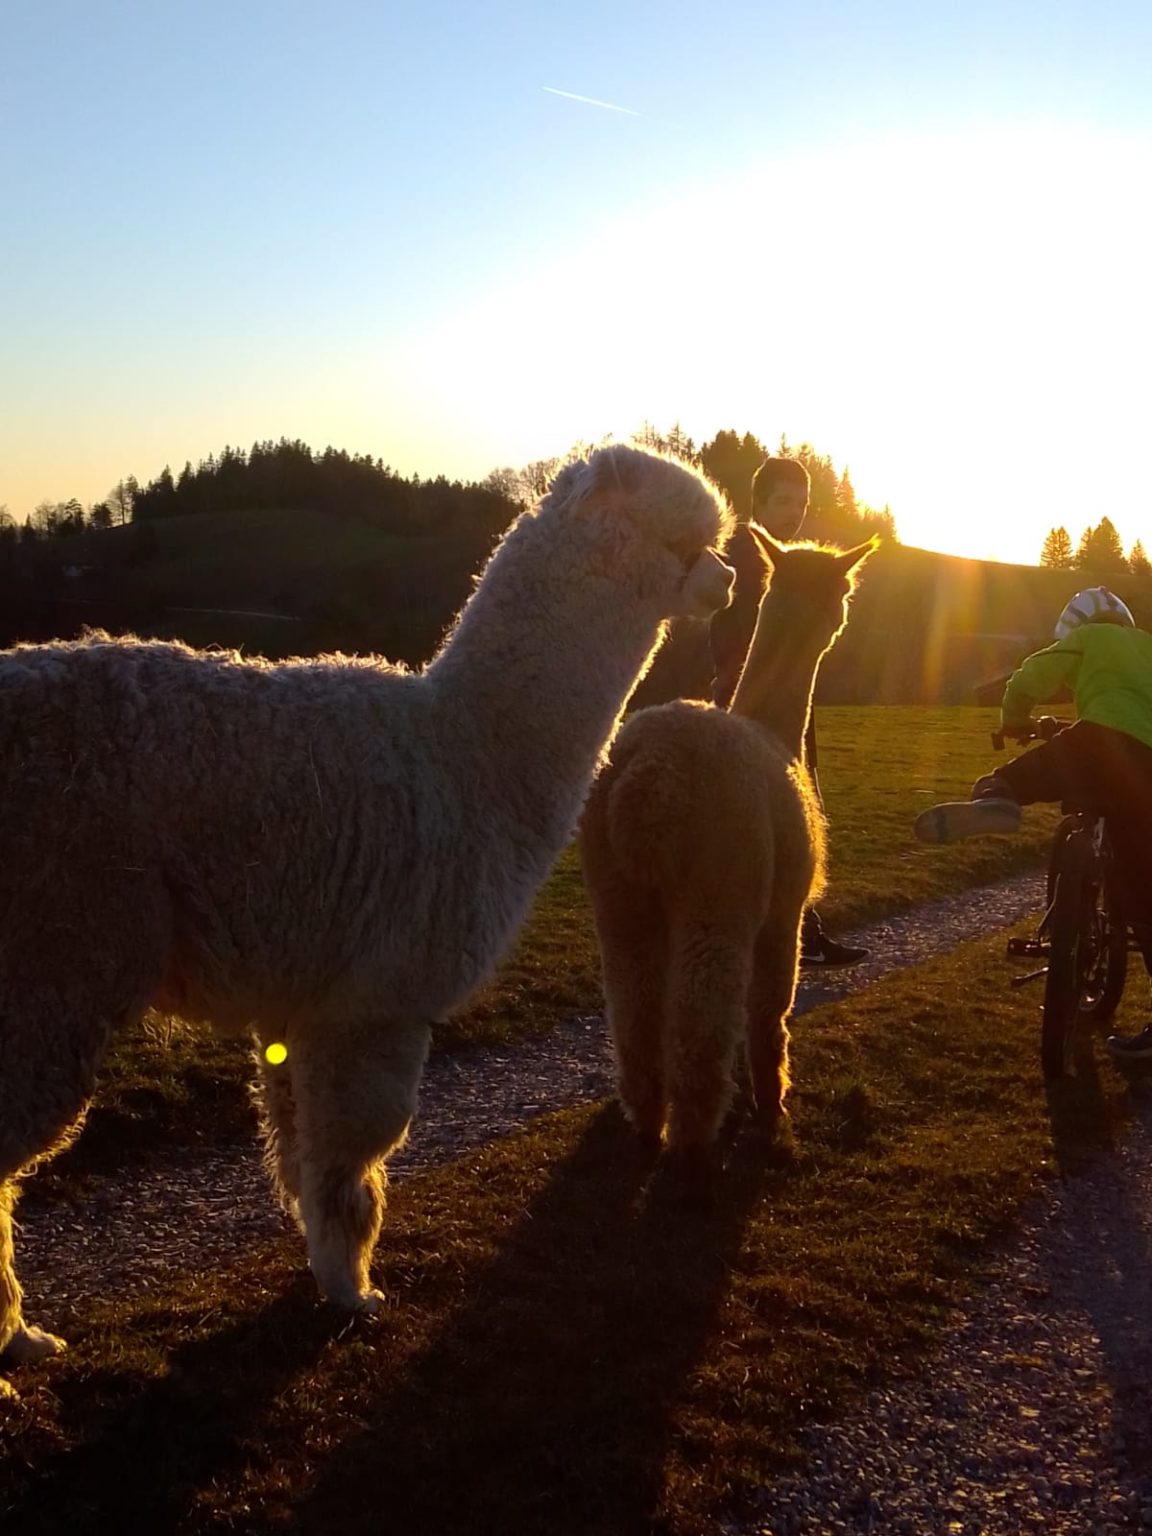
pixel 1095 605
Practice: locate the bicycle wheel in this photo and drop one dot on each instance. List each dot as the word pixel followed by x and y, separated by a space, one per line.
pixel 1066 933
pixel 1064 829
pixel 1104 956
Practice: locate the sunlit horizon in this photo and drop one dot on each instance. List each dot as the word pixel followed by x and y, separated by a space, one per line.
pixel 934 273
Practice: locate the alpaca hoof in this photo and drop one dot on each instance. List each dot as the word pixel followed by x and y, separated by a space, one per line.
pixel 369 1303
pixel 348 1298
pixel 32 1344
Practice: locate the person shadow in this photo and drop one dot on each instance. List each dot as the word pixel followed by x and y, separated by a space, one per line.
pixel 1096 1258
pixel 546 1402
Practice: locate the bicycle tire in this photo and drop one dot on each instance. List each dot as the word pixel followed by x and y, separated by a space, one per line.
pixel 1062 984
pixel 1064 829
pixel 1103 977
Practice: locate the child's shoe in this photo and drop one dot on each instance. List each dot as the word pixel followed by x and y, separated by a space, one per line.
pixel 991 809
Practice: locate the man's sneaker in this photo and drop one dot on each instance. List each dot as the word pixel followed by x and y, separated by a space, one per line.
pixel 826 951
pixel 1132 1047
pixel 957 819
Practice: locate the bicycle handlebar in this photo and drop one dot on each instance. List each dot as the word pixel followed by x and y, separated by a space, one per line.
pixel 1043 728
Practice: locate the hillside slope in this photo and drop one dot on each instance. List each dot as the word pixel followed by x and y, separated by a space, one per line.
pixel 925 628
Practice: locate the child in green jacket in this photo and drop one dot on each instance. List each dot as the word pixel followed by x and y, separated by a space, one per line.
pixel 1103 761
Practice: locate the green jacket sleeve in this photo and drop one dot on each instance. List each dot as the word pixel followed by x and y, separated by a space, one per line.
pixel 1039 677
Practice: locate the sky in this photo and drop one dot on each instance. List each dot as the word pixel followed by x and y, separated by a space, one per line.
pixel 457 237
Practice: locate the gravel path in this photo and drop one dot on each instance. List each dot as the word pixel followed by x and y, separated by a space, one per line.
pixel 141 1229
pixel 1036 1414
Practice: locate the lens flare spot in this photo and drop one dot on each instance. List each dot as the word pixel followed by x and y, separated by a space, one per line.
pixel 276 1053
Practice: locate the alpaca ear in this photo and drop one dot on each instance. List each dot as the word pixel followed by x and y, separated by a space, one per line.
pixel 772 551
pixel 851 558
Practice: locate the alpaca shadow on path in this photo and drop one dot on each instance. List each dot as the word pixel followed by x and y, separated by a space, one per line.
pixel 143 1467
pixel 544 1403
pixel 1097 1253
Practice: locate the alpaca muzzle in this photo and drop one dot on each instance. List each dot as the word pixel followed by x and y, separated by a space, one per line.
pixel 707 587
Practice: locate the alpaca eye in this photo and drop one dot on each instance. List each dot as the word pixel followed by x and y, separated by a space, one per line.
pixel 686 557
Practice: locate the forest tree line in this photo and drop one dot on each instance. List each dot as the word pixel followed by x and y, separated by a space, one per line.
pixel 731 459
pixel 288 474
pixel 111 564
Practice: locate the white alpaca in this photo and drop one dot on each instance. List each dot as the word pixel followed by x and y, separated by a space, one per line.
pixel 329 853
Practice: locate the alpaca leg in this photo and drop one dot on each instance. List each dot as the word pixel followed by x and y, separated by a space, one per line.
pixel 272 1093
pixel 64 985
pixel 355 1089
pixel 634 954
pixel 770 1000
pixel 47 1074
pixel 19 1342
pixel 709 989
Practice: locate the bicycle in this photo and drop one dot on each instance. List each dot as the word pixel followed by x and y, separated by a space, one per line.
pixel 1082 934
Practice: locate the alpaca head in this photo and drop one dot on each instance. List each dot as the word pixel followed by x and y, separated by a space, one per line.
pixel 810 585
pixel 804 609
pixel 650 522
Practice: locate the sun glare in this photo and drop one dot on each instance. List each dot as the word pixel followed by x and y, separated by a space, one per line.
pixel 961 322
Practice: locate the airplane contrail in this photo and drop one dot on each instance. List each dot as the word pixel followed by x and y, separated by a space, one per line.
pixel 589 101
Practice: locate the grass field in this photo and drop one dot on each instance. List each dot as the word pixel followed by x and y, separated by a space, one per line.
pixel 572 1343
pixel 879 766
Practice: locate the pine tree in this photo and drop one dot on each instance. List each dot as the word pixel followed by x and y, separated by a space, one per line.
pixel 1101 550
pixel 1138 562
pixel 1057 552
pixel 679 444
pixel 1110 556
pixel 731 461
pixel 846 503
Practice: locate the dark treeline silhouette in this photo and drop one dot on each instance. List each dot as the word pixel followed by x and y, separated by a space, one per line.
pixel 835 515
pixel 279 549
pixel 1100 552
pixel 192 556
pixel 731 460
pixel 280 475
pixel 288 474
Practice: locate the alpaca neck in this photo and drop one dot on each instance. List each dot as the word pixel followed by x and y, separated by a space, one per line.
pixel 775 687
pixel 529 688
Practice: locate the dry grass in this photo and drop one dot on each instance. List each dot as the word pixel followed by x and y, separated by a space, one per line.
pixel 573 1342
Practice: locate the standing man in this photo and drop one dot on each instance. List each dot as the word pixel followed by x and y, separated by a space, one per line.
pixel 779 504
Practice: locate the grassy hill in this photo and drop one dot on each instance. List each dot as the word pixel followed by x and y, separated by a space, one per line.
pixel 926 627
pixel 270 582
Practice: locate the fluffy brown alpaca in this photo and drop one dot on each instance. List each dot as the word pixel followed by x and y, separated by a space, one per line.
pixel 703 842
